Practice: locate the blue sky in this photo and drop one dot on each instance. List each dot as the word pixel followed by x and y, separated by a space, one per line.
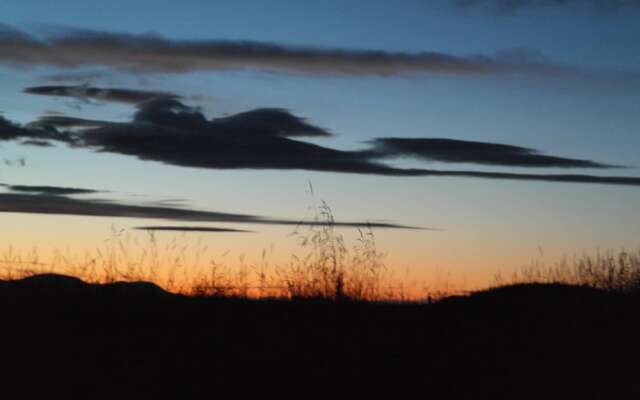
pixel 503 222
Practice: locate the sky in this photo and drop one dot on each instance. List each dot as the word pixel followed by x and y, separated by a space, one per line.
pixel 505 129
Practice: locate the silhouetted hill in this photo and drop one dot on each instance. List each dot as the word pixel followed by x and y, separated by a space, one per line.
pixel 63 285
pixel 534 296
pixel 63 336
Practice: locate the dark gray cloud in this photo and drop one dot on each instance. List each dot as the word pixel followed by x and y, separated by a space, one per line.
pixel 269 121
pixel 75 48
pixel 13 131
pixel 598 6
pixel 567 178
pixel 189 229
pixel 106 94
pixel 54 204
pixel 51 190
pixel 462 151
pixel 167 131
pixel 170 132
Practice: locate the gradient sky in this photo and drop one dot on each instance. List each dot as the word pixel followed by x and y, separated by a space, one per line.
pixel 591 112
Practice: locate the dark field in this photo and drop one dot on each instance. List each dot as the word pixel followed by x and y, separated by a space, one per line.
pixel 63 338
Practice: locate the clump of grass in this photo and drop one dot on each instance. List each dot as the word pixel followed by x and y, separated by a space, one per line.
pixel 612 271
pixel 329 269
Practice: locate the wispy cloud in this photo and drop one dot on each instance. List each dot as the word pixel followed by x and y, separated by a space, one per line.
pixel 74 48
pixel 77 76
pixel 597 6
pixel 36 143
pixel 54 201
pixel 189 229
pixel 61 121
pixel 566 178
pixel 84 92
pixel 51 190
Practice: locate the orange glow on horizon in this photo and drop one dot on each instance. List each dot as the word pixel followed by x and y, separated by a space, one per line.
pixel 100 249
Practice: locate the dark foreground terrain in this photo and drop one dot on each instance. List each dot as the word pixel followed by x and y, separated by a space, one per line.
pixel 62 338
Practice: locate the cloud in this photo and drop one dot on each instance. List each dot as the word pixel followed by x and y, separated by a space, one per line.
pixel 461 151
pixel 51 190
pixel 36 143
pixel 151 53
pixel 46 202
pixel 84 92
pixel 188 229
pixel 172 133
pixel 10 131
pixel 567 178
pixel 61 121
pixel 598 6
pixel 75 76
pixel 13 131
pixel 167 131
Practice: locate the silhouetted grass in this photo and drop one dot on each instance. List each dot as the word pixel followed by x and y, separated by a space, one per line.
pixel 617 272
pixel 327 268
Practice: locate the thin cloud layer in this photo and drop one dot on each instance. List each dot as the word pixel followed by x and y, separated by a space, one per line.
pixel 61 121
pixel 75 48
pixel 45 202
pixel 189 229
pixel 166 130
pixel 84 92
pixel 50 190
pixel 598 6
pixel 462 151
pixel 566 178
pixel 36 143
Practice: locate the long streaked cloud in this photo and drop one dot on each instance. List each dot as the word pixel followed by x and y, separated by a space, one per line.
pixel 45 202
pixel 566 178
pixel 62 121
pixel 84 92
pixel 597 6
pixel 50 190
pixel 148 53
pixel 199 229
pixel 484 153
pixel 167 131
pixel 36 143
